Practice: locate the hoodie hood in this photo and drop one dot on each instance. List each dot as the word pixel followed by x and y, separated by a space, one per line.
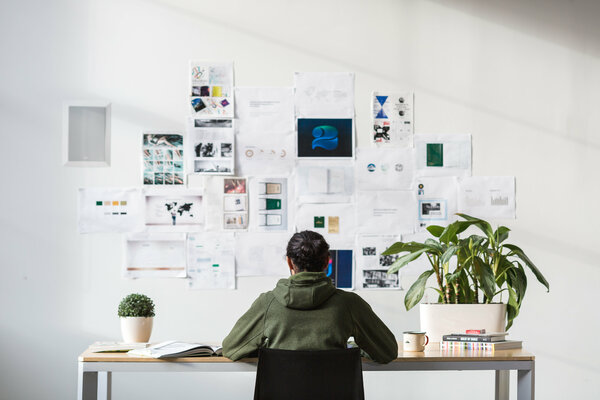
pixel 304 290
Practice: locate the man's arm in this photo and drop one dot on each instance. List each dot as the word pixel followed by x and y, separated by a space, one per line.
pixel 371 334
pixel 247 334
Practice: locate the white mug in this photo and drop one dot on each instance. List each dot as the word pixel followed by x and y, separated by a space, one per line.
pixel 414 341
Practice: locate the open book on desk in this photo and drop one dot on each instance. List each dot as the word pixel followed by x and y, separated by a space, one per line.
pixel 172 349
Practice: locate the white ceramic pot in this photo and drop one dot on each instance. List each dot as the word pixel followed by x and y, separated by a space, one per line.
pixel 136 329
pixel 442 319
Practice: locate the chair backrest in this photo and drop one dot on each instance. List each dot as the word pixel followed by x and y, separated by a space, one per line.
pixel 314 375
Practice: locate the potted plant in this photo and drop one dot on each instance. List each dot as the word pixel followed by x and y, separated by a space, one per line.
pixel 472 274
pixel 136 312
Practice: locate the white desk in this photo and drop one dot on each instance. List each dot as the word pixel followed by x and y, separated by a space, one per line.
pixel 95 369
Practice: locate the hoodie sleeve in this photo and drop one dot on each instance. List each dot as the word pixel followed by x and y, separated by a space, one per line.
pixel 247 334
pixel 371 334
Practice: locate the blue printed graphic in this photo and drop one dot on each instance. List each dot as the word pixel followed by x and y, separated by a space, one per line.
pixel 381 100
pixel 326 137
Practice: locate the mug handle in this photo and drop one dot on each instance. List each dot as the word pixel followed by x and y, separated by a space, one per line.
pixel 427 340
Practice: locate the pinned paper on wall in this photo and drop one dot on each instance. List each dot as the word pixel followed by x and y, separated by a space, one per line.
pixel 211 260
pixel 436 201
pixel 261 253
pixel 385 169
pixel 325 138
pixel 336 222
pixel 443 155
pixel 210 146
pixel 324 94
pixel 179 210
pixel 162 156
pixel 110 210
pixel 269 204
pixel 386 212
pixel 235 203
pixel 211 87
pixel 487 197
pixel 265 154
pixel 324 183
pixel 393 119
pixel 372 266
pixel 155 255
pixel 340 268
pixel 262 110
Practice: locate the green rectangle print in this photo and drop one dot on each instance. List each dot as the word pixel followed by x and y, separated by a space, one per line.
pixel 319 222
pixel 273 204
pixel 435 154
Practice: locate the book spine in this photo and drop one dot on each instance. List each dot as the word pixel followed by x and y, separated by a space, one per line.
pixel 455 338
pixel 477 346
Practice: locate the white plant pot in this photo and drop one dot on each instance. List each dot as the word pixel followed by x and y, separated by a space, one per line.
pixel 136 329
pixel 442 319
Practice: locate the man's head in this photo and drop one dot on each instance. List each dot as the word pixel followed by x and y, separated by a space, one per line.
pixel 307 251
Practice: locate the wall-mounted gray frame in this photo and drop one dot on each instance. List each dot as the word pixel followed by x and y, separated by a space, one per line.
pixel 86 134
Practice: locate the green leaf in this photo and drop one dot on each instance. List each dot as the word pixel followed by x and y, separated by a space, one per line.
pixel 512 308
pixel 416 291
pixel 519 253
pixel 435 230
pixel 449 233
pixel 400 247
pixel 485 277
pixel 501 234
pixel 405 259
pixel 463 225
pixel 448 254
pixel 481 224
pixel 435 246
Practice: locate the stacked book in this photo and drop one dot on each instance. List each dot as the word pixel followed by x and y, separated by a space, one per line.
pixel 479 340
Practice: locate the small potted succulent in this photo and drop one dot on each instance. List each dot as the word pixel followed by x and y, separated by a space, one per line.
pixel 136 312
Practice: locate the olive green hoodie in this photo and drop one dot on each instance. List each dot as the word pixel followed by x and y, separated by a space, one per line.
pixel 306 312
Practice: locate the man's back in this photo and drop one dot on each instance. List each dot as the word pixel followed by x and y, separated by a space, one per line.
pixel 306 312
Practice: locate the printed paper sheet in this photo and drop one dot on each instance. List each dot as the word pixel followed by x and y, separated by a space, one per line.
pixel 110 210
pixel 162 155
pixel 175 210
pixel 264 111
pixel 393 119
pixel 385 169
pixel 155 255
pixel 211 260
pixel 211 86
pixel 390 212
pixel 269 204
pixel 235 203
pixel 336 222
pixel 443 155
pixel 325 138
pixel 324 94
pixel 324 182
pixel 371 266
pixel 210 146
pixel 487 197
pixel 261 254
pixel 436 201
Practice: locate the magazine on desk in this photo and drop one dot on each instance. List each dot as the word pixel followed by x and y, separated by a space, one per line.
pixel 175 349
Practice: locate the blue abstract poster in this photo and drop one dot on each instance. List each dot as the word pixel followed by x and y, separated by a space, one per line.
pixel 318 137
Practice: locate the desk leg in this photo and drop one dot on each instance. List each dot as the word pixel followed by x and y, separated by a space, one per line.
pixel 526 384
pixel 104 385
pixel 502 385
pixel 87 384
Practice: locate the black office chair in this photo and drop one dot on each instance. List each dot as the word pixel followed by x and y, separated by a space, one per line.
pixel 309 375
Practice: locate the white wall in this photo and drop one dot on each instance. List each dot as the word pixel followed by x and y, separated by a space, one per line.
pixel 523 77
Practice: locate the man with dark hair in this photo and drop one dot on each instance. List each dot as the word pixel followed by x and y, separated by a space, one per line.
pixel 306 312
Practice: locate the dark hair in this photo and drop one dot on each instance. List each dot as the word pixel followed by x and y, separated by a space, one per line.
pixel 308 251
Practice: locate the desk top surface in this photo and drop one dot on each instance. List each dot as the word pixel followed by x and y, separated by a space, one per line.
pixel 432 353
